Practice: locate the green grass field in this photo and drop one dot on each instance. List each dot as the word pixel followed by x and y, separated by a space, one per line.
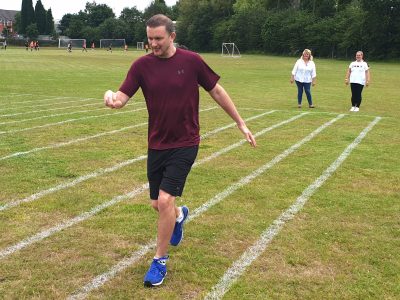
pixel 75 219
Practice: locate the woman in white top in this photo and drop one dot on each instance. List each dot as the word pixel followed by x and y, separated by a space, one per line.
pixel 359 75
pixel 304 73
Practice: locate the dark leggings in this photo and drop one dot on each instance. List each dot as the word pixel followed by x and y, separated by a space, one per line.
pixel 356 90
pixel 307 89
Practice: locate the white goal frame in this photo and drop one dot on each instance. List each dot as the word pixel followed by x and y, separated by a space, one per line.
pixel 139 45
pixel 77 43
pixel 105 43
pixel 230 50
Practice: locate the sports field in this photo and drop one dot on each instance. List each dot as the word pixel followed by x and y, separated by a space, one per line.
pixel 312 213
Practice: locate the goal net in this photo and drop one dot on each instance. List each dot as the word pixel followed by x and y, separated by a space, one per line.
pixel 113 43
pixel 75 43
pixel 140 46
pixel 230 50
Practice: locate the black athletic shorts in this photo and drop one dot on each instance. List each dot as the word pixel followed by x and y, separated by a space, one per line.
pixel 167 169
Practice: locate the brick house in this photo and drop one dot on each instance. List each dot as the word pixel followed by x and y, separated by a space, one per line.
pixel 7 20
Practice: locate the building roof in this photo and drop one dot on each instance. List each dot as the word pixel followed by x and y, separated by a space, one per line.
pixel 8 15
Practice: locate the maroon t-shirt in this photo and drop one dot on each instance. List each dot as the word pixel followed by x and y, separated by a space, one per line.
pixel 171 89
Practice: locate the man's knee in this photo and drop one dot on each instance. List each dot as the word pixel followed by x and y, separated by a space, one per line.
pixel 165 201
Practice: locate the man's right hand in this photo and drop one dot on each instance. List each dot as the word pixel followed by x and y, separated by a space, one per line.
pixel 110 100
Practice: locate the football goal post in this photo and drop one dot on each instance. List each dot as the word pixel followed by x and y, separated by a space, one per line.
pixel 230 50
pixel 75 43
pixel 140 46
pixel 114 43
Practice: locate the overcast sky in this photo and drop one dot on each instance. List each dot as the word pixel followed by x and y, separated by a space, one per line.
pixel 62 7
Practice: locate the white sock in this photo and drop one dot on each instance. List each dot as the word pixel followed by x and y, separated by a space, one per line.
pixel 180 217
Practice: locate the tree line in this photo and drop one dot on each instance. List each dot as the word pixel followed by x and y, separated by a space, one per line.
pixel 331 28
pixel 32 22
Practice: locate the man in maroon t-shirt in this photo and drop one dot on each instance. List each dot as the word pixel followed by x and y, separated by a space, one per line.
pixel 169 78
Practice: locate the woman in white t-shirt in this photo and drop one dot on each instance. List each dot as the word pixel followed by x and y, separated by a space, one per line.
pixel 304 73
pixel 359 76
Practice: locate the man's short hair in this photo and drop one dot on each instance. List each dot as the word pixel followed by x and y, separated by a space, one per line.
pixel 161 20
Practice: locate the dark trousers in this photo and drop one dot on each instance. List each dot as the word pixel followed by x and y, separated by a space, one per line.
pixel 356 90
pixel 307 89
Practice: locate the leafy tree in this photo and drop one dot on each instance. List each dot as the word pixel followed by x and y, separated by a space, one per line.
pixel 97 13
pixel 320 8
pixel 40 17
pixel 175 11
pixel 135 24
pixel 244 27
pixel 318 41
pixel 156 7
pixel 131 15
pixel 31 31
pixel 75 27
pixel 90 33
pixel 349 30
pixel 342 4
pixel 64 23
pixel 382 27
pixel 279 4
pixel 199 20
pixel 284 32
pixel 27 14
pixel 112 29
pixel 49 22
pixel 17 22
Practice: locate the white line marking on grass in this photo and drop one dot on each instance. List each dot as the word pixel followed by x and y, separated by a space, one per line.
pixel 70 142
pixel 100 172
pixel 244 141
pixel 261 170
pixel 99 280
pixel 71 183
pixel 70 121
pixel 53 115
pixel 46 110
pixel 46 104
pixel 234 124
pixel 68 223
pixel 253 252
pixel 46 233
pixel 47 99
pixel 15 94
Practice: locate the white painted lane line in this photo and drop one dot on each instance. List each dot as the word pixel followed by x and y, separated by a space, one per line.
pixel 98 281
pixel 234 124
pixel 52 104
pixel 78 140
pixel 50 98
pixel 100 172
pixel 68 223
pixel 70 121
pixel 253 252
pixel 52 116
pixel 70 142
pixel 46 110
pixel 244 141
pixel 71 183
pixel 15 94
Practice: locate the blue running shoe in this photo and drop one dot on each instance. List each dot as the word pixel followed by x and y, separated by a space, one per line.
pixel 177 235
pixel 157 272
